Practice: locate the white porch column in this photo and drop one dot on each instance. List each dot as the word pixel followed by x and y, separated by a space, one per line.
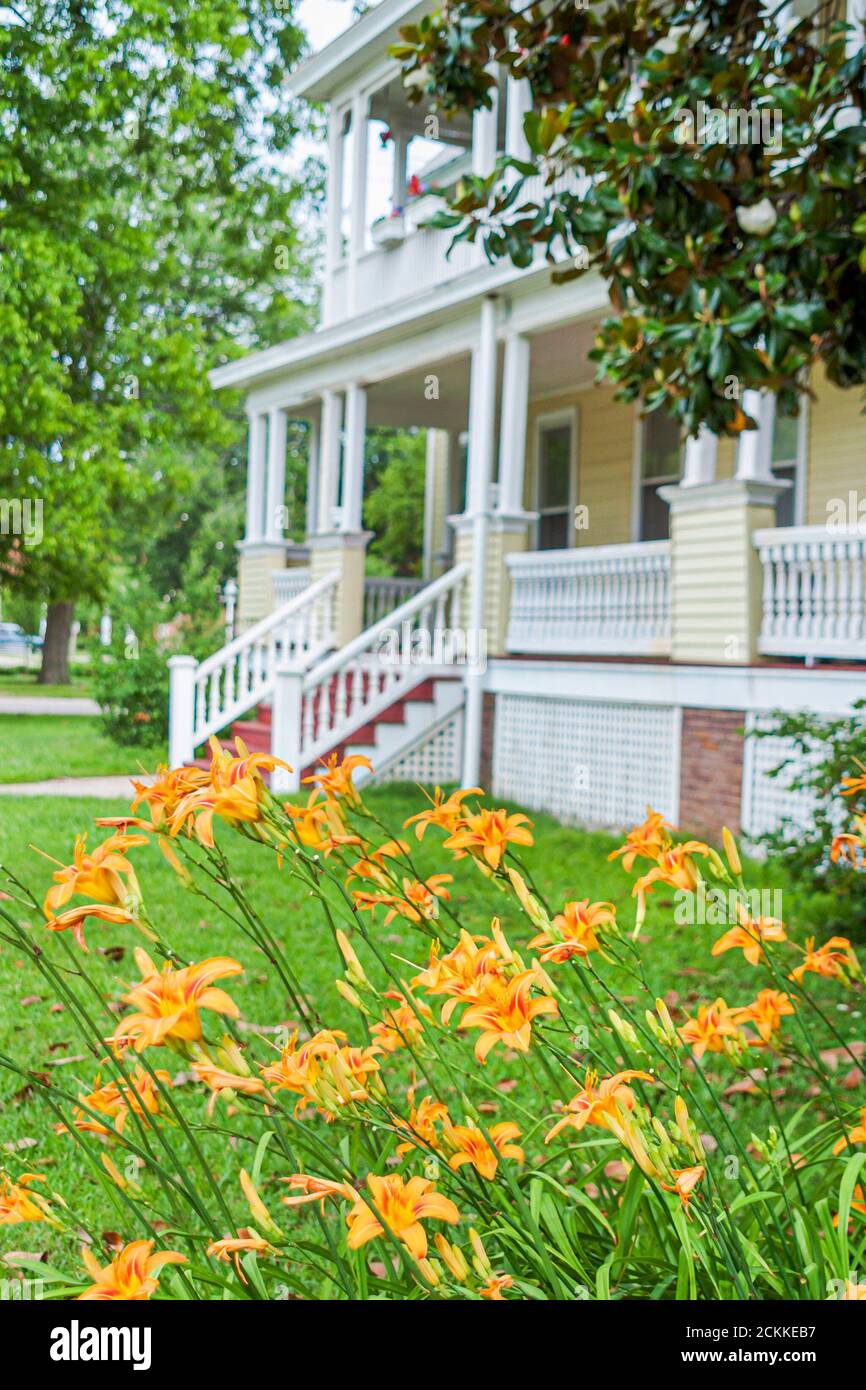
pixel 329 459
pixel 256 476
pixel 482 429
pixel 398 177
pixel 484 124
pixel 518 101
pixel 312 477
pixel 353 458
pixel 755 447
pixel 512 434
pixel 700 461
pixel 276 484
pixel 334 209
pixel 360 140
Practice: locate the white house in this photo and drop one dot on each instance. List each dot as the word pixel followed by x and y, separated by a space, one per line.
pixel 603 610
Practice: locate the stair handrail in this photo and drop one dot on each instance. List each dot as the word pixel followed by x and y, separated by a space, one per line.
pixel 208 695
pixel 326 715
pixel 306 598
pixel 367 639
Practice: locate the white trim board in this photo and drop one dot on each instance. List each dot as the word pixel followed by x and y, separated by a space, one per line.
pixel 751 688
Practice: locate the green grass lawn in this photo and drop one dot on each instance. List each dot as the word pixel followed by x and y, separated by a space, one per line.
pixel 18 681
pixel 567 864
pixel 34 747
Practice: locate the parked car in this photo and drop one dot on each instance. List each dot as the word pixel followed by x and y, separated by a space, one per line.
pixel 13 635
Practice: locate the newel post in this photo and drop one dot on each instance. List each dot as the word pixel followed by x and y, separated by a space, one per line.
pixel 286 727
pixel 181 709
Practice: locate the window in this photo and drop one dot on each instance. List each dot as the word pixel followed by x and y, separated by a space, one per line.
pixel 786 465
pixel 660 463
pixel 555 455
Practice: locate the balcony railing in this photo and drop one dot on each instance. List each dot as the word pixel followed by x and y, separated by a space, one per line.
pixel 382 596
pixel 287 584
pixel 814 600
pixel 609 600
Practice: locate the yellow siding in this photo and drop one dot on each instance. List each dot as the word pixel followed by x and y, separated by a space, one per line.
pixel 255 598
pixel 605 461
pixel 836 460
pixel 716 583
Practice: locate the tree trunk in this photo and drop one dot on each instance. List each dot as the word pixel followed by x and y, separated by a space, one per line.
pixel 55 648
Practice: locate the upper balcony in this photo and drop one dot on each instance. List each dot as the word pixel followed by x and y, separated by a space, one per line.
pixel 388 162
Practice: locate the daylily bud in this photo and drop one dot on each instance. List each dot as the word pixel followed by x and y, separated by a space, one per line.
pixel 481 1262
pixel 351 996
pixel 452 1257
pixel 258 1210
pixel 624 1029
pixel 731 852
pixel 355 971
pixel 667 1022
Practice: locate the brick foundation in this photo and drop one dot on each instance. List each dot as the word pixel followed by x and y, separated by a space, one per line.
pixel 711 770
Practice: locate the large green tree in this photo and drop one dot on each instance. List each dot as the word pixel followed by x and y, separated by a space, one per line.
pixel 734 261
pixel 148 228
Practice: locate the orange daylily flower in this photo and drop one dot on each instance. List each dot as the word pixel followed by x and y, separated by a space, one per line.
pixel 607 1105
pixel 465 972
pixel 17 1204
pixel 505 1013
pixel 446 812
pixel 852 785
pixel 675 867
pixel 317 1190
pixel 401 1206
pixel 494 1286
pixel 685 1180
pixel 324 1071
pixel 487 835
pixel 577 925
pixel 373 868
pixel 472 1147
pixel 219 1080
pixel 169 789
pixel 399 1027
pixel 115 1101
pixel 418 901
pixel 849 848
pixel 168 1002
pixel 857 1135
pixel 858 1204
pixel 298 1067
pixel 318 825
pixel 709 1030
pixel 834 960
pixel 230 1248
pixel 335 779
pixel 766 1012
pixel 421 1124
pixel 233 791
pixel 647 841
pixel 749 936
pixel 73 919
pixel 105 875
pixel 130 1275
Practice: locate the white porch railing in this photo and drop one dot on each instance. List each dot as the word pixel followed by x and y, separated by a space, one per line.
pixel 207 696
pixel 382 596
pixel 317 710
pixel 814 600
pixel 600 600
pixel 287 584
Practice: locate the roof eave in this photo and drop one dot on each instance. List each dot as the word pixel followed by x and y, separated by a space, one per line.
pixel 334 66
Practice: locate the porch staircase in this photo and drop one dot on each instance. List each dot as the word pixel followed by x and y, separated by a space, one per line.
pixel 382 695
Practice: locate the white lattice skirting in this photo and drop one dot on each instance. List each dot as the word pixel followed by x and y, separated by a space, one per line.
pixel 585 761
pixel 435 760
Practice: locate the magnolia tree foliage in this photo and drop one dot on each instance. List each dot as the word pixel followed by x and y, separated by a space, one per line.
pixel 733 243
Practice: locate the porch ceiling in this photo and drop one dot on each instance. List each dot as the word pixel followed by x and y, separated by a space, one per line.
pixel 559 360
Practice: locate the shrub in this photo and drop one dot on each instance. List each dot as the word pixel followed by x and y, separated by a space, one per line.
pixel 131 687
pixel 369 1165
pixel 826 751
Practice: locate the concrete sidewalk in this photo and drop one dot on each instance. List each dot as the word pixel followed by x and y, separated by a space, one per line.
pixel 46 704
pixel 106 787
